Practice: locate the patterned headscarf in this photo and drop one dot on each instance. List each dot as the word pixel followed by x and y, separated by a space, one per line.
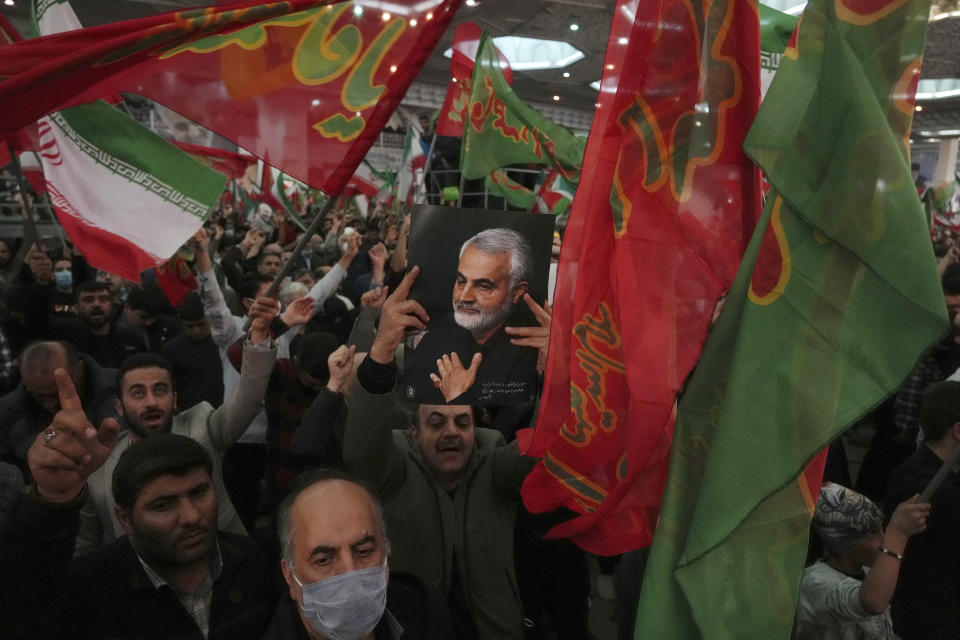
pixel 843 516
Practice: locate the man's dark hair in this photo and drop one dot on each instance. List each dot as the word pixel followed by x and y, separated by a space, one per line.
pixel 90 286
pixel 148 299
pixel 192 308
pixel 143 361
pixel 303 482
pixel 264 254
pixel 940 409
pixel 250 284
pixel 312 351
pixel 951 280
pixel 37 355
pixel 149 458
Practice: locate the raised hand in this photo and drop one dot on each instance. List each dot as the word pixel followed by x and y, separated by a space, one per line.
pixel 340 363
pixel 454 379
pixel 909 519
pixel 375 297
pixel 261 312
pixel 398 315
pixel 378 256
pixel 70 449
pixel 537 337
pixel 298 312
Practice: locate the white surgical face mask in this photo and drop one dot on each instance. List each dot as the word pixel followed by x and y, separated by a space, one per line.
pixel 347 606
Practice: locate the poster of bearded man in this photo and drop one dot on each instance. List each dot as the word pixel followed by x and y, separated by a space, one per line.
pixel 483 283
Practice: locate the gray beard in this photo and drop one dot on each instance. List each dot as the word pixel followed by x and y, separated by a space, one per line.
pixel 485 320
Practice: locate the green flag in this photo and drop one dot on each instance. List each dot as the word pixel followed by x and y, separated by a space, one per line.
pixel 836 298
pixel 499 184
pixel 502 129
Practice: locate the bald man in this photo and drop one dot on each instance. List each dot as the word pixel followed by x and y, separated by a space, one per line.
pixel 28 409
pixel 334 551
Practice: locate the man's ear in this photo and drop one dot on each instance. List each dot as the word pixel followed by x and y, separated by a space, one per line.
pixel 118 407
pixel 291 583
pixel 124 519
pixel 955 431
pixel 519 290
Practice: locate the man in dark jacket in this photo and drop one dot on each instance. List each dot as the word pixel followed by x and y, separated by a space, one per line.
pixel 450 489
pixel 174 575
pixel 26 410
pixel 924 606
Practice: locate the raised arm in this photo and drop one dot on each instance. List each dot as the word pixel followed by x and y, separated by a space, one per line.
pixel 232 418
pixel 223 328
pixel 368 438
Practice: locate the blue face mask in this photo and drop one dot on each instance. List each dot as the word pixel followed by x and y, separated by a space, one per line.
pixel 63 279
pixel 347 606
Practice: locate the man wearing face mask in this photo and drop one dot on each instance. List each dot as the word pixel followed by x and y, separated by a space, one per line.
pixel 334 552
pixel 61 300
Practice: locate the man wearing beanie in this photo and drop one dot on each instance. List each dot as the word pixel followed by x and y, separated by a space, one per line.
pixel 846 594
pixel 926 605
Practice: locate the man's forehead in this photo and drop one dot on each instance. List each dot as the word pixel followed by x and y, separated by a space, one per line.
pixel 446 410
pixel 146 376
pixel 493 261
pixel 173 484
pixel 334 512
pixel 93 295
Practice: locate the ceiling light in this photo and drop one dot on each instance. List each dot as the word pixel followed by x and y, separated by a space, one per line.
pixel 595 85
pixel 471 3
pixel 393 68
pixel 9 3
pixel 566 74
pixel 315 102
pixel 573 27
pixel 918 108
pixel 555 98
pixel 528 54
pixel 610 67
pixel 413 22
pixel 623 40
pixel 938 88
pixel 357 10
pixel 430 16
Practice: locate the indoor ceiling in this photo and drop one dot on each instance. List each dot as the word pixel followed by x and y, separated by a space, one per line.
pixel 551 19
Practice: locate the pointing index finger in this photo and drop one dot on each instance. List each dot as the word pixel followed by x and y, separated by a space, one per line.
pixel 403 289
pixel 67 392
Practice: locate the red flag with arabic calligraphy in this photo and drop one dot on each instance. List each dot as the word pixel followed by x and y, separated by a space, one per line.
pixel 669 200
pixel 307 83
pixel 466 41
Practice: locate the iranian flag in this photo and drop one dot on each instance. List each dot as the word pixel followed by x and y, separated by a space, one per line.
pixel 413 157
pixel 127 198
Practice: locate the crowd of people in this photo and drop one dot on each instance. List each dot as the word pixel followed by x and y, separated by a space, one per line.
pixel 244 466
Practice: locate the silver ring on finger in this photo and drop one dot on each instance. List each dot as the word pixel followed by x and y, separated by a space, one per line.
pixel 48 435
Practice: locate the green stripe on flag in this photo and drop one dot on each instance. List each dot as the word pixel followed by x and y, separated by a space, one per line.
pixel 142 157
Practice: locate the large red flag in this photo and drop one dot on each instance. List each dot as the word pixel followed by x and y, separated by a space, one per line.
pixel 229 163
pixel 306 83
pixel 8 33
pixel 466 40
pixel 664 210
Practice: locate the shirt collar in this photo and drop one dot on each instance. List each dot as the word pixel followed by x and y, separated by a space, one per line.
pixel 215 568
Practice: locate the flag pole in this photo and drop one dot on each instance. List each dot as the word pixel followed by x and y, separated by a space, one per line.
pixel 427 167
pixel 945 469
pixel 30 234
pixel 297 250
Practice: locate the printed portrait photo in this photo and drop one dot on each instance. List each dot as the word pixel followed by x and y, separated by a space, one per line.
pixel 476 267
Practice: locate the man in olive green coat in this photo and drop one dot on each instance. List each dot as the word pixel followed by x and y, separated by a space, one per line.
pixel 449 489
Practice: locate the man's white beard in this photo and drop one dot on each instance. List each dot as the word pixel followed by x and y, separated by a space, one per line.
pixel 484 320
